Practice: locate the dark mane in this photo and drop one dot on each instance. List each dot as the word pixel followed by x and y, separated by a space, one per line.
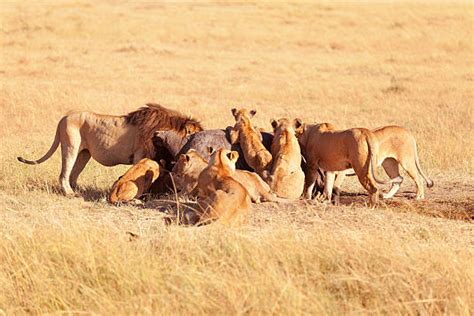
pixel 153 117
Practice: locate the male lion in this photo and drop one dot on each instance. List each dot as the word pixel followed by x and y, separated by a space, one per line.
pixel 190 165
pixel 250 139
pixel 336 151
pixel 397 147
pixel 111 140
pixel 135 182
pixel 287 177
pixel 220 196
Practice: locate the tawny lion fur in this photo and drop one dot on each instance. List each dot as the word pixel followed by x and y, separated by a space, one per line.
pixel 188 167
pixel 135 182
pixel 186 171
pixel 338 150
pixel 397 147
pixel 110 140
pixel 287 177
pixel 250 140
pixel 220 196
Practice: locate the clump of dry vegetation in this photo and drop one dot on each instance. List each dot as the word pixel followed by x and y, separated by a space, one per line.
pixel 351 65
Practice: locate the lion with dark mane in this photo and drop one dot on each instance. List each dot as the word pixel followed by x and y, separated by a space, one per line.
pixel 110 139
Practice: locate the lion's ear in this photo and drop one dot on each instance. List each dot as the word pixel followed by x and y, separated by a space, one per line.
pixel 252 113
pixel 274 123
pixel 158 136
pixel 148 176
pixel 187 157
pixel 210 150
pixel 298 124
pixel 187 130
pixel 233 156
pixel 234 112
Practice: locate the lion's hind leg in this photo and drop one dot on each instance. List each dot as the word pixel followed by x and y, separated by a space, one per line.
pixel 70 146
pixel 410 168
pixel 367 181
pixel 81 161
pixel 391 167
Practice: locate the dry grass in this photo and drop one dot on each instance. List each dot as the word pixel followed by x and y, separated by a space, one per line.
pixel 349 64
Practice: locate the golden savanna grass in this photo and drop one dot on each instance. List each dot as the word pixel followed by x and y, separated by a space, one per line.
pixel 355 64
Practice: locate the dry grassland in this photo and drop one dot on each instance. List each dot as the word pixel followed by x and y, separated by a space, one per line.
pixel 350 64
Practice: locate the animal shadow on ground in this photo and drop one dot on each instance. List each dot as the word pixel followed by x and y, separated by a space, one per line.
pixel 405 202
pixel 177 210
pixel 436 207
pixel 359 199
pixel 91 193
pixel 88 193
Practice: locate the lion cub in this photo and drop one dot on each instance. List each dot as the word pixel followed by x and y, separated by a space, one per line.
pixel 135 182
pixel 190 165
pixel 220 196
pixel 338 150
pixel 250 139
pixel 287 177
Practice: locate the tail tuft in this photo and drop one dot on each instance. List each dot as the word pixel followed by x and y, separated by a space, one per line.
pixel 430 183
pixel 23 160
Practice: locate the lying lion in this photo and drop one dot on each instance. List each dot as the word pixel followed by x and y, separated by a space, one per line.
pixel 397 147
pixel 220 196
pixel 188 167
pixel 250 139
pixel 110 140
pixel 336 151
pixel 186 171
pixel 135 182
pixel 287 177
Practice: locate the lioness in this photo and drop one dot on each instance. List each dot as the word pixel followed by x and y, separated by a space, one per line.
pixel 186 171
pixel 335 151
pixel 169 144
pixel 136 181
pixel 287 177
pixel 110 140
pixel 398 147
pixel 188 167
pixel 250 139
pixel 220 196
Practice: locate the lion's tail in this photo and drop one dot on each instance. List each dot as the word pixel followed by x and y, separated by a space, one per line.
pixel 429 182
pixel 50 152
pixel 371 143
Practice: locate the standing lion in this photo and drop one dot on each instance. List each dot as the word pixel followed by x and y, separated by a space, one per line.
pixel 110 139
